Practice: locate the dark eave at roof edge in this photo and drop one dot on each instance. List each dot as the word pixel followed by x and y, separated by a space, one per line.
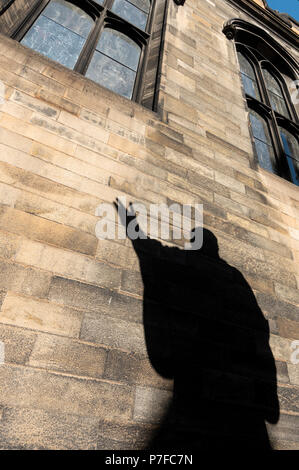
pixel 285 16
pixel 269 18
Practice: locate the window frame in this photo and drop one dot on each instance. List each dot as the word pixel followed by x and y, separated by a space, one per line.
pixel 103 18
pixel 264 108
pixel 5 6
pixel 250 37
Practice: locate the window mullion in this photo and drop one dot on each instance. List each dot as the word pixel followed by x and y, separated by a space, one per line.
pixel 290 126
pixel 278 147
pixel 284 90
pixel 89 47
pixel 271 119
pixel 288 101
pixel 138 86
pixel 108 4
pixel 264 91
pixel 259 106
pixel 140 77
pixel 269 142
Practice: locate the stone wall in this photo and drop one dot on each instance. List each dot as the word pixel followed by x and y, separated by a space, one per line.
pixel 76 372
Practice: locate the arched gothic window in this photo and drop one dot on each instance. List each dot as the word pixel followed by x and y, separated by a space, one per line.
pixel 108 41
pixel 60 32
pixel 264 65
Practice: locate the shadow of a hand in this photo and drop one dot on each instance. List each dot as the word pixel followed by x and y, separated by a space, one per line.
pixel 125 215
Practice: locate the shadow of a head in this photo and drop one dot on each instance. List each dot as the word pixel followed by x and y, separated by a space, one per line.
pixel 209 243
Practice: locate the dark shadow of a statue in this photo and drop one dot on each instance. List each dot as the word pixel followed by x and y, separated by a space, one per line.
pixel 205 330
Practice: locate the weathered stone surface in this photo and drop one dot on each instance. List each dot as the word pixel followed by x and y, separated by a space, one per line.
pixel 34 104
pixel 58 102
pixel 289 398
pixel 293 371
pixel 131 282
pixel 18 343
pixel 88 297
pixel 2 297
pixel 151 404
pixel 277 308
pixel 29 131
pixel 9 245
pixel 67 263
pixel 281 348
pixel 117 254
pixel 63 354
pixel 105 443
pixel 24 280
pixel 287 293
pixel 288 328
pixel 41 80
pixel 37 389
pixel 117 436
pixel 132 368
pixel 40 315
pixel 282 372
pixel 109 331
pixel 41 229
pixel 34 429
pixel 286 430
pixel 126 433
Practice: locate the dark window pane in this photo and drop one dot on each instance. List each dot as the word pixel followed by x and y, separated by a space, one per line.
pixel 54 41
pixel 271 83
pixel 248 77
pixel 70 16
pixel 246 66
pixel 278 104
pixel 275 94
pixel 59 32
pixel 265 155
pixel 294 169
pixel 141 4
pixel 262 142
pixel 250 86
pixel 130 13
pixel 291 149
pixel 119 47
pixel 260 128
pixel 111 74
pixel 290 144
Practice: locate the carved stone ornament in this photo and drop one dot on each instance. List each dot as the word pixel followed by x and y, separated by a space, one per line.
pixel 229 31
